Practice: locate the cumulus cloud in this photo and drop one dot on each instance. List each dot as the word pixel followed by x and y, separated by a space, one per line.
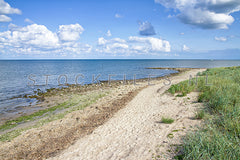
pixel 6 9
pixel 35 35
pixel 206 14
pixel 222 39
pixel 4 18
pixel 146 29
pixel 133 45
pixel 109 34
pixel 36 38
pixel 70 32
pixel 116 48
pixel 152 44
pixel 185 48
pixel 112 46
pixel 118 40
pixel 102 41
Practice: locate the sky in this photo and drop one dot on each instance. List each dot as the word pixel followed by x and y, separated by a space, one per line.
pixel 119 29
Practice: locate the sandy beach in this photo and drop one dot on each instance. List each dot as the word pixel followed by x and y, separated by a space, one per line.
pixel 124 124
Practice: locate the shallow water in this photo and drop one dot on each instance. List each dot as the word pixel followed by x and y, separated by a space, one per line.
pixel 19 77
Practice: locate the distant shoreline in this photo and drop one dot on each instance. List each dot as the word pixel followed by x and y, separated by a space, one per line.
pixel 176 69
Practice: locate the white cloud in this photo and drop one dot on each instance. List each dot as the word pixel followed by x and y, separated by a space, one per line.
pixel 170 16
pixel 4 18
pixel 222 39
pixel 102 41
pixel 185 48
pixel 70 32
pixel 119 40
pixel 206 14
pixel 117 15
pixel 119 45
pixel 153 44
pixel 146 29
pixel 12 27
pixel 181 33
pixel 37 39
pixel 116 48
pixel 28 20
pixel 36 35
pixel 6 9
pixel 112 46
pixel 138 48
pixel 134 45
pixel 109 34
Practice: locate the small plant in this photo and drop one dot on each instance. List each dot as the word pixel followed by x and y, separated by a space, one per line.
pixel 176 130
pixel 167 120
pixel 199 114
pixel 170 135
pixel 179 157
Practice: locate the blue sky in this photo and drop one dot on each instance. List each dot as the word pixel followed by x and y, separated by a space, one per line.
pixel 176 29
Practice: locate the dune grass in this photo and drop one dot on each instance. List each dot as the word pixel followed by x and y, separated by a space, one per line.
pixel 219 138
pixel 183 88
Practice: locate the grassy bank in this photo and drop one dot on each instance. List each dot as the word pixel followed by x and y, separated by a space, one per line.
pixel 219 138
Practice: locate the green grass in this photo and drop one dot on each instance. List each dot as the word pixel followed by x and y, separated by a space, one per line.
pixel 167 120
pixel 12 123
pixel 183 88
pixel 219 138
pixel 200 114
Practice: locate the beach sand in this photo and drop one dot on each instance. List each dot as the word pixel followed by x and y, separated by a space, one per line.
pixel 126 124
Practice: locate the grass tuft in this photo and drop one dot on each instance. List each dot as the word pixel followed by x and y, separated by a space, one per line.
pixel 200 114
pixel 167 120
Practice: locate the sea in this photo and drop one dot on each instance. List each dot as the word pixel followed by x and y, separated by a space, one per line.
pixel 20 77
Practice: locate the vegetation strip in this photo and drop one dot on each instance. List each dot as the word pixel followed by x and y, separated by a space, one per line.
pixel 219 137
pixel 77 102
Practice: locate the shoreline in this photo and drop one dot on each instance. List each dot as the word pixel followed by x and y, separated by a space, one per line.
pixel 93 115
pixel 40 96
pixel 176 69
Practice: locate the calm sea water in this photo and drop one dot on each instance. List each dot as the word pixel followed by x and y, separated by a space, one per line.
pixel 15 74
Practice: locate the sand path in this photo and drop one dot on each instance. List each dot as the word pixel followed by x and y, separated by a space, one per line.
pixel 135 132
